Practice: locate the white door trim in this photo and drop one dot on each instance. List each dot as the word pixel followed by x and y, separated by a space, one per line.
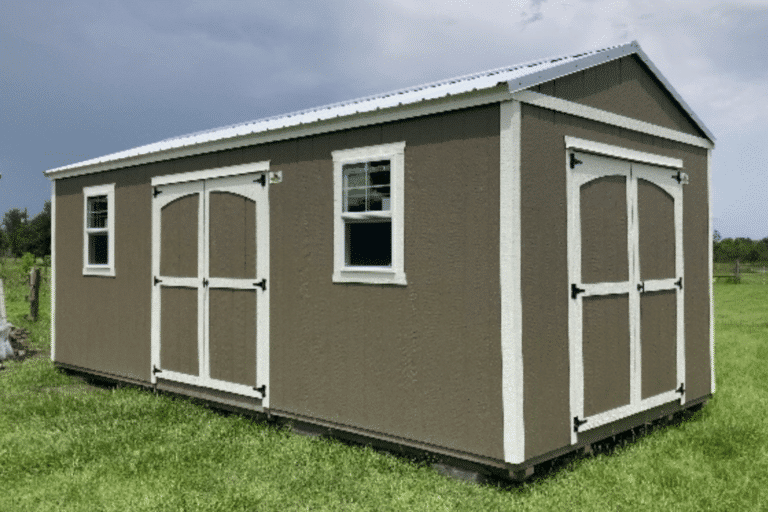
pixel 231 179
pixel 633 170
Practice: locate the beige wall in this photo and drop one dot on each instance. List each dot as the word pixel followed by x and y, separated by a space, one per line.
pixel 421 362
pixel 544 266
pixel 623 86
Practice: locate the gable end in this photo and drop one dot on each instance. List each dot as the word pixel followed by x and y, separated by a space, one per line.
pixel 626 87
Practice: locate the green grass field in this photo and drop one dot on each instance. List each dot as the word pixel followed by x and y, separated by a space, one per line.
pixel 65 446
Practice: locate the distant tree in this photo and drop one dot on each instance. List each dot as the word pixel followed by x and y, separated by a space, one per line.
pixel 14 225
pixel 716 236
pixel 38 238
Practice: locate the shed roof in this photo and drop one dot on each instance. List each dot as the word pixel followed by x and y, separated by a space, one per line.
pixel 517 77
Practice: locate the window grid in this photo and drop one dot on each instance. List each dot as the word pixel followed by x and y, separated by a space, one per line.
pixel 375 182
pixel 98 232
pixel 368 207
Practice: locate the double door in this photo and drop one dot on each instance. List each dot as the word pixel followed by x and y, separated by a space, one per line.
pixel 210 315
pixel 626 288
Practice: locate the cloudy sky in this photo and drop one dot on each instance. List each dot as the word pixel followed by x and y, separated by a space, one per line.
pixel 81 79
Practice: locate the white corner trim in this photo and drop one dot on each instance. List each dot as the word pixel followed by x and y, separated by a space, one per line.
pixel 599 148
pixel 206 174
pixel 603 116
pixel 394 274
pixel 711 273
pixel 107 270
pixel 53 270
pixel 510 283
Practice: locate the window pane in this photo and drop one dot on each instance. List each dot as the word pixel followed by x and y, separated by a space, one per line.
pixel 355 200
pixel 380 177
pixel 369 244
pixel 98 251
pixel 354 176
pixel 382 165
pixel 97 212
pixel 378 199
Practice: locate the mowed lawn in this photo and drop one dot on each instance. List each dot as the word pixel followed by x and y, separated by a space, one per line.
pixel 65 446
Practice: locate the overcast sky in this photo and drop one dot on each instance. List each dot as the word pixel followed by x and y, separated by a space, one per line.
pixel 81 79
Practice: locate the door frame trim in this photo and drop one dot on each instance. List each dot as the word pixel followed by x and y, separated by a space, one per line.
pixel 576 365
pixel 263 302
pixel 599 148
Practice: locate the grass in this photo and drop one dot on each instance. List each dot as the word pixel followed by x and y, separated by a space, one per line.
pixel 65 446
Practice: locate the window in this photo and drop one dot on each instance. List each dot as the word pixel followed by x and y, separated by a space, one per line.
pixel 99 230
pixel 368 210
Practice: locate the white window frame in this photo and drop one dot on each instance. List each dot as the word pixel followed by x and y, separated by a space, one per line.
pixel 395 273
pixel 108 269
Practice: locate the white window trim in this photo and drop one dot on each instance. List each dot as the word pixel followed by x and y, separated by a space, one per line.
pixel 394 274
pixel 107 269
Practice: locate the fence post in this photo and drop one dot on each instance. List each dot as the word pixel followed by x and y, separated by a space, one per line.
pixel 34 287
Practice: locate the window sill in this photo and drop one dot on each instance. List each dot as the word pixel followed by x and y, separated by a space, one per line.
pixel 105 271
pixel 369 275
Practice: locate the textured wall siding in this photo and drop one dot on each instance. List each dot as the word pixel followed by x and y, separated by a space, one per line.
pixel 625 87
pixel 544 268
pixel 421 362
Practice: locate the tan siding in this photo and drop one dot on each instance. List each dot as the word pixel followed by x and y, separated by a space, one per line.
pixel 606 353
pixel 178 237
pixel 623 86
pixel 178 330
pixel 604 230
pixel 544 269
pixel 656 211
pixel 658 327
pixel 422 362
pixel 232 236
pixel 544 272
pixel 233 335
pixel 103 323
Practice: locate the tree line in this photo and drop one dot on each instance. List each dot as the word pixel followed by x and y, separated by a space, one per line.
pixel 20 235
pixel 746 250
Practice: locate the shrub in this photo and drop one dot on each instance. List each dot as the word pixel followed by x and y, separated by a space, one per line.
pixel 27 262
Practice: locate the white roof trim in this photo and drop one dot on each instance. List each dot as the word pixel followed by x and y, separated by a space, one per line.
pixel 474 89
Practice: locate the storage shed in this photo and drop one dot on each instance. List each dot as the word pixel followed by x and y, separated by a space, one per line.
pixel 496 269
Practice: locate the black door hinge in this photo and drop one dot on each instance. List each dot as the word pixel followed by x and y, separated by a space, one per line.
pixel 575 290
pixel 575 161
pixel 261 179
pixel 156 192
pixel 157 280
pixel 205 282
pixel 262 284
pixel 156 370
pixel 679 283
pixel 641 287
pixel 681 389
pixel 577 423
pixel 262 389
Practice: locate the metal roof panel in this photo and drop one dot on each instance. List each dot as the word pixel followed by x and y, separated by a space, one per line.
pixel 517 77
